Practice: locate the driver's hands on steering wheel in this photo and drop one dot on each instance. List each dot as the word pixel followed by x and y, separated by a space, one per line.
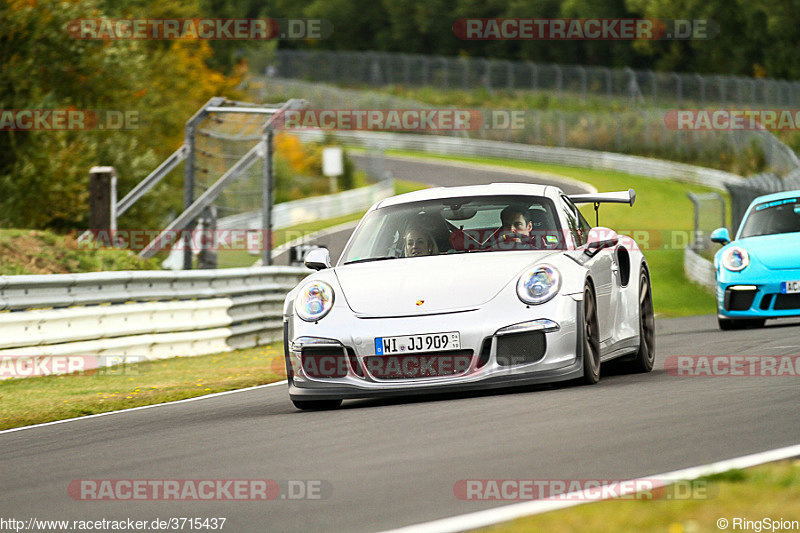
pixel 510 239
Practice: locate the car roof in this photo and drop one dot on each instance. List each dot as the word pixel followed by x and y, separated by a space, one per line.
pixel 776 196
pixel 493 189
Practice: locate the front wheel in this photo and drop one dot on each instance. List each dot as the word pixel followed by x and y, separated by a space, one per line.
pixel 316 405
pixel 591 338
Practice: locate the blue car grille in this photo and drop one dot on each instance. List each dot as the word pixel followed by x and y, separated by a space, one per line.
pixel 785 302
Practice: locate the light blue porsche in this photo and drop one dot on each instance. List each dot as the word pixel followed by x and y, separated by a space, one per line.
pixel 758 273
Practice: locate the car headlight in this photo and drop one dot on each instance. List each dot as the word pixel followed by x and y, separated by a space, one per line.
pixel 314 301
pixel 539 284
pixel 735 259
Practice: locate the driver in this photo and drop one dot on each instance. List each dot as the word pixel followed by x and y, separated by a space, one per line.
pixel 516 224
pixel 418 241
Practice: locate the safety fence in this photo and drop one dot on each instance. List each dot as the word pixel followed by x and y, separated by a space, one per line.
pixel 630 130
pixel 638 87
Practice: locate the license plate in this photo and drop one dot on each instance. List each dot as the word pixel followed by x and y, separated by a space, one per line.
pixel 427 342
pixel 790 287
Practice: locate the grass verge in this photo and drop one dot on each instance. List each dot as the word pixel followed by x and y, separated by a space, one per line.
pixel 770 491
pixel 35 400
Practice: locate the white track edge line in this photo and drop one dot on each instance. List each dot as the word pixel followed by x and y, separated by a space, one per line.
pixel 141 407
pixel 506 513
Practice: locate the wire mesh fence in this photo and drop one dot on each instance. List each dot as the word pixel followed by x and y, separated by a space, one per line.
pixel 638 132
pixel 220 141
pixel 641 87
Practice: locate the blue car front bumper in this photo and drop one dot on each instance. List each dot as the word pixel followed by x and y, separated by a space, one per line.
pixel 756 292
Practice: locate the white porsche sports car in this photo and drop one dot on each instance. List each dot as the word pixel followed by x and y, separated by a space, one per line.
pixel 472 287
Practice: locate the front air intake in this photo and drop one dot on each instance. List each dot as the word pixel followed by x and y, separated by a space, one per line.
pixel 521 348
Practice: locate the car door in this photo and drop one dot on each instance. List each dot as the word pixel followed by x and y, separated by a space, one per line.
pixel 603 266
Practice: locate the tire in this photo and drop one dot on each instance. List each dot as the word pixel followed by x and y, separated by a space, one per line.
pixel 316 405
pixel 645 358
pixel 591 338
pixel 731 324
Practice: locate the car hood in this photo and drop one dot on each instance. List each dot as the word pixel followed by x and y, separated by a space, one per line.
pixel 443 283
pixel 775 252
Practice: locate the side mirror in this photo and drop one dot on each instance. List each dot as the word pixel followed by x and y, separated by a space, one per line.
pixel 318 259
pixel 600 238
pixel 721 236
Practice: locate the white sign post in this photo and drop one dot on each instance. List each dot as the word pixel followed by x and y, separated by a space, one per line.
pixel 332 164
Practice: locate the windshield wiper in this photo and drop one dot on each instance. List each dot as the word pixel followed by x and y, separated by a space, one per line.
pixel 476 250
pixel 369 259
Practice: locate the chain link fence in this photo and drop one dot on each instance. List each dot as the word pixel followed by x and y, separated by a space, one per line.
pixel 643 88
pixel 637 132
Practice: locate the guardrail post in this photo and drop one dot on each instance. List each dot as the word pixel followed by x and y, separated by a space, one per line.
pixel 207 258
pixel 103 204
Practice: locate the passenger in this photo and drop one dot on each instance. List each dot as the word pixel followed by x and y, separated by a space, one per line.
pixel 418 242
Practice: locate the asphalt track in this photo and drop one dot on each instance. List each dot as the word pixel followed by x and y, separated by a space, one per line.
pixel 391 463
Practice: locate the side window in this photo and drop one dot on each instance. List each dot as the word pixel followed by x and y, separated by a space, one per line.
pixel 573 223
pixel 581 234
pixel 584 227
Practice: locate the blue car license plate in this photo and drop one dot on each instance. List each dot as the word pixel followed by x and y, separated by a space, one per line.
pixel 790 287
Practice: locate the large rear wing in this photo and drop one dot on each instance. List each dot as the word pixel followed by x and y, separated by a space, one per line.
pixel 622 197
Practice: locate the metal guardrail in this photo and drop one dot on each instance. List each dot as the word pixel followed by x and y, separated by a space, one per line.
pixel 152 314
pixel 699 269
pixel 643 166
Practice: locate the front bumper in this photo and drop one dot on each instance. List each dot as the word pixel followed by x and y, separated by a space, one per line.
pixel 482 338
pixel 756 293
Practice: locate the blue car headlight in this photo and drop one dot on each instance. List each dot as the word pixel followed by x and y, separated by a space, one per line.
pixel 735 259
pixel 314 301
pixel 539 284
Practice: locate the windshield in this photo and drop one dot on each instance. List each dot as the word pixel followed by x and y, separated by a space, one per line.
pixel 771 218
pixel 456 225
